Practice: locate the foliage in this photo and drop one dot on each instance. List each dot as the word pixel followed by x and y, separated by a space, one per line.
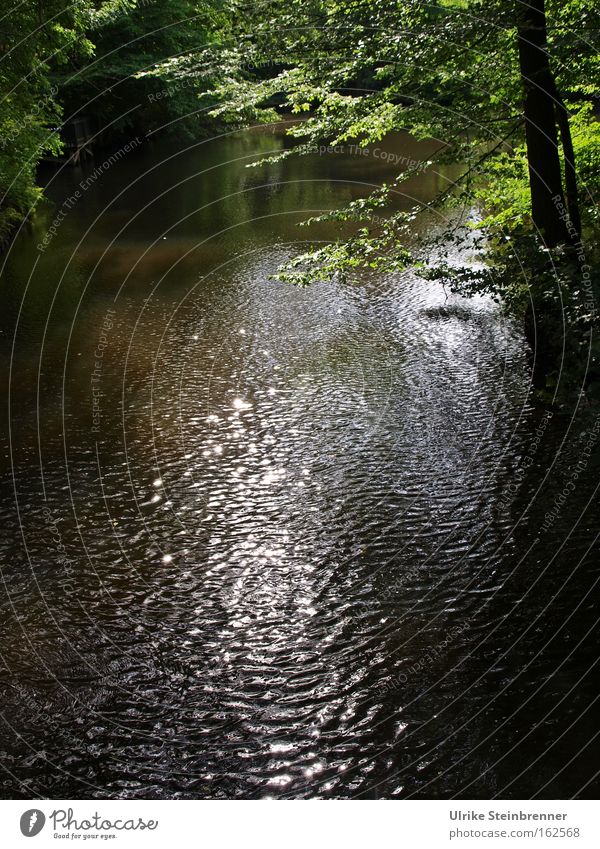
pixel 108 60
pixel 359 69
pixel 35 37
pixel 129 87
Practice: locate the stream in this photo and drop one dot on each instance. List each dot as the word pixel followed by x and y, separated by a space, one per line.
pixel 262 541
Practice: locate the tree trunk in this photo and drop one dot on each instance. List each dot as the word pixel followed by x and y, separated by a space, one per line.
pixel 571 192
pixel 540 124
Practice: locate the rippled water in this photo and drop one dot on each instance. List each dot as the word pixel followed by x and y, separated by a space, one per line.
pixel 297 544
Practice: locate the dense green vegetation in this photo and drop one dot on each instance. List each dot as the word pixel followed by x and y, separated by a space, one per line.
pixel 35 38
pixel 59 60
pixel 130 40
pixel 510 88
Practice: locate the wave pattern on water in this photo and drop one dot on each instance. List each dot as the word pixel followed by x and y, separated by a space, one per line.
pixel 291 567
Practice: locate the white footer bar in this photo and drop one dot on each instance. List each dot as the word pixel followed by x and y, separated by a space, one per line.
pixel 301 824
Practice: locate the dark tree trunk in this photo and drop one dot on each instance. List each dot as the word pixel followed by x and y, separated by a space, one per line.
pixel 571 192
pixel 540 124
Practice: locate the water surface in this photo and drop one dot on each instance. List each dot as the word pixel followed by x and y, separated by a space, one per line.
pixel 261 541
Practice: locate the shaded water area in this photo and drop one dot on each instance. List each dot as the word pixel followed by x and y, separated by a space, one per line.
pixel 261 541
